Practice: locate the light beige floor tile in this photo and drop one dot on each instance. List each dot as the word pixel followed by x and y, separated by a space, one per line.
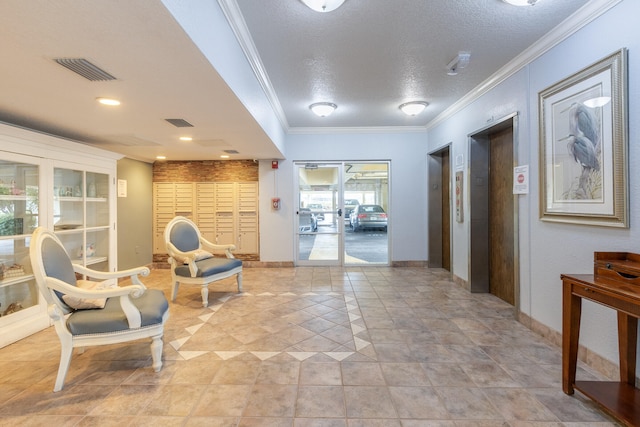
pixel 309 347
pixel 271 400
pixel 369 402
pixel 320 373
pixel 320 402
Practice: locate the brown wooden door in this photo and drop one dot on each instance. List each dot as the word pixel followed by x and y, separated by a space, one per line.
pixel 501 216
pixel 446 212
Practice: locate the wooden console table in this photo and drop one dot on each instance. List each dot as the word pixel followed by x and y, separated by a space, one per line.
pixel 621 399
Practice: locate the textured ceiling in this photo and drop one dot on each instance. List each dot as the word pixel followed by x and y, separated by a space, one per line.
pixel 368 57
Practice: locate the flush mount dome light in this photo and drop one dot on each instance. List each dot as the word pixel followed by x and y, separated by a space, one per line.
pixel 323 5
pixel 413 108
pixel 521 2
pixel 323 109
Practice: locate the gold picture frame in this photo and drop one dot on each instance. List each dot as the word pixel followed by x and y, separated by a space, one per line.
pixel 583 146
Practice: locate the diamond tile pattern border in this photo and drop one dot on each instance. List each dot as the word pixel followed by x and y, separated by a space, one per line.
pixel 334 318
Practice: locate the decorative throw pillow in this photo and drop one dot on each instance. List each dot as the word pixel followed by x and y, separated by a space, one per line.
pixel 202 254
pixel 78 303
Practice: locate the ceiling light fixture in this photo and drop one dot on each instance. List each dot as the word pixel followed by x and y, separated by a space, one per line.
pixel 224 156
pixel 413 108
pixel 161 157
pixel 323 5
pixel 186 138
pixel 108 101
pixel 521 2
pixel 323 109
pixel 458 63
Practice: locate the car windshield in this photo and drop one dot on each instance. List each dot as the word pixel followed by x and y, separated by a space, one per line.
pixel 371 208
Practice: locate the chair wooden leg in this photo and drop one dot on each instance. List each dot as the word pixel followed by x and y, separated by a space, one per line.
pixel 66 351
pixel 239 280
pixel 204 291
pixel 174 290
pixel 156 352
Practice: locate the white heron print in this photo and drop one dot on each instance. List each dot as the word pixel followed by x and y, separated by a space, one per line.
pixel 579 132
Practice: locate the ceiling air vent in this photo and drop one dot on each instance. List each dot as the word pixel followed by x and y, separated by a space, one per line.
pixel 232 151
pixel 180 123
pixel 85 68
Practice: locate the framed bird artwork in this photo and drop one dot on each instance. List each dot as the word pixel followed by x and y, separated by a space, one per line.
pixel 583 146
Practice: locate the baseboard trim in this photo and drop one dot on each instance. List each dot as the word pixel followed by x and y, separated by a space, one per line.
pixel 591 359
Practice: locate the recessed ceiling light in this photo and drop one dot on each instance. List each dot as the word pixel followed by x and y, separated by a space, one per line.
pixel 108 101
pixel 323 5
pixel 161 157
pixel 521 2
pixel 224 156
pixel 186 138
pixel 413 108
pixel 323 109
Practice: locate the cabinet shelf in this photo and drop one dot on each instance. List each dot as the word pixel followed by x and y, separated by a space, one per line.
pixel 91 260
pixel 9 197
pixel 13 280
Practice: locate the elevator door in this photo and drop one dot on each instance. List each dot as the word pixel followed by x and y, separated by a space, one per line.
pixel 493 212
pixel 501 227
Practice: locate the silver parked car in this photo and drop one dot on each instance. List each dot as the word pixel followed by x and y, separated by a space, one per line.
pixel 368 216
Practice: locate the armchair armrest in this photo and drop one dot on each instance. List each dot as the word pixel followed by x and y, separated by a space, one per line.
pixel 131 312
pixel 215 247
pixel 116 291
pixel 133 273
pixel 188 258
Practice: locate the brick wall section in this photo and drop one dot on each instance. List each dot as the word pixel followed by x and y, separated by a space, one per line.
pixel 206 171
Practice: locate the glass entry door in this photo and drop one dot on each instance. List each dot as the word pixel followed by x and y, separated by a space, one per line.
pixel 342 213
pixel 319 214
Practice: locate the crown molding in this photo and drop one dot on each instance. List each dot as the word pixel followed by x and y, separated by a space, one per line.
pixel 238 25
pixel 566 28
pixel 354 130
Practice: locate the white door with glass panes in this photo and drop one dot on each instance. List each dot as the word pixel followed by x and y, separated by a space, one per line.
pixel 327 230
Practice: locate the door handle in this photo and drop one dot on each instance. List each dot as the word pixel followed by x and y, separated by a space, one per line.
pixel 339 212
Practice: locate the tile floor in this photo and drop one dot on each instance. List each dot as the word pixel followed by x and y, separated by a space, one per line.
pixel 308 347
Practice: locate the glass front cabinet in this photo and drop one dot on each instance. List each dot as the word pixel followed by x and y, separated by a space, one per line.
pixel 75 199
pixel 81 215
pixel 21 307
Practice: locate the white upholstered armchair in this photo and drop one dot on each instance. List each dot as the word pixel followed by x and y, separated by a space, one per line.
pixel 90 312
pixel 192 261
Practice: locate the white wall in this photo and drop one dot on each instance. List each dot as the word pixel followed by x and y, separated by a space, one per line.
pixel 407 212
pixel 549 249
